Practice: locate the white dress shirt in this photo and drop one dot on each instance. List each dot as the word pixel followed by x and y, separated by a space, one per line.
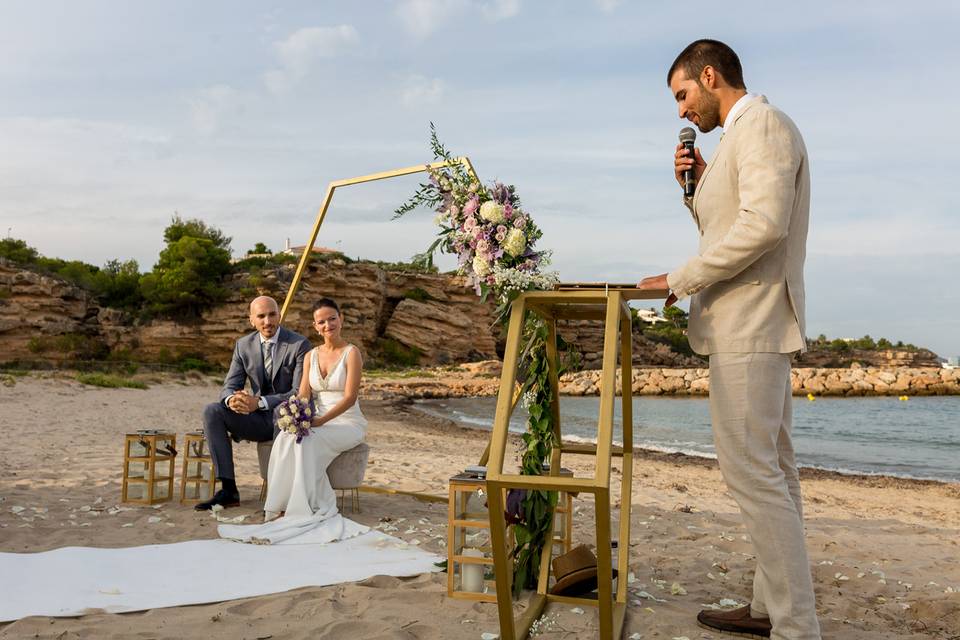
pixel 735 109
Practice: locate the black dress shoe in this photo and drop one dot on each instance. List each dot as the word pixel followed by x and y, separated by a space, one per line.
pixel 223 498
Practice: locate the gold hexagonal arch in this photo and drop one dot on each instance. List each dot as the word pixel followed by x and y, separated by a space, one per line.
pixel 336 184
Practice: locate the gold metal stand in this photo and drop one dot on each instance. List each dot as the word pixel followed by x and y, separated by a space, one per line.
pixel 592 302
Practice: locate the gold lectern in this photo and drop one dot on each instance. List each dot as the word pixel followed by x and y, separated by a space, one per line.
pixel 582 302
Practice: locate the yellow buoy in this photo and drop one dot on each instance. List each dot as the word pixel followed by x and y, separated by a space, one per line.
pixel 904 398
pixel 811 397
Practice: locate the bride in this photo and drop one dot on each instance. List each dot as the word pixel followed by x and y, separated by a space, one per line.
pixel 300 500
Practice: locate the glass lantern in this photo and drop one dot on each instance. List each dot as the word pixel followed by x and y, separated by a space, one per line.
pixel 148 467
pixel 198 480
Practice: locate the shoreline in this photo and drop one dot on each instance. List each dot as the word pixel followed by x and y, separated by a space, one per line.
pixel 872 480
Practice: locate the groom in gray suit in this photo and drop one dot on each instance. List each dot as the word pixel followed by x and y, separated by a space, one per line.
pixel 271 359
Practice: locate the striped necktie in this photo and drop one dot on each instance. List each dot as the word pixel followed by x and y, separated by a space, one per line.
pixel 268 361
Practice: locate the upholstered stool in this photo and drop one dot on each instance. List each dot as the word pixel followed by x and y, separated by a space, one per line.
pixel 263 457
pixel 346 474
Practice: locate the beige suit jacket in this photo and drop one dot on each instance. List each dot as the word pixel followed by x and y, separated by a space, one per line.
pixel 752 207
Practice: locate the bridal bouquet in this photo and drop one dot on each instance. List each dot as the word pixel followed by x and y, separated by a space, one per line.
pixel 294 415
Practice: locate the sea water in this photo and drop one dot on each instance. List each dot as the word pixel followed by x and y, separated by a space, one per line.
pixel 916 438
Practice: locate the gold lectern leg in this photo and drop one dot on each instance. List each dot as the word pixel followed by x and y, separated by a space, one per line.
pixel 495 494
pixel 626 485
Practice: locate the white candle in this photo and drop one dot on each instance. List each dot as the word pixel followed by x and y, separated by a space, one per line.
pixel 472 574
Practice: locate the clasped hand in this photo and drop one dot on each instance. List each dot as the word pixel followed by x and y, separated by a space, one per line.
pixel 243 403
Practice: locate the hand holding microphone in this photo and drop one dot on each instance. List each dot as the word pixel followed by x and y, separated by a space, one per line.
pixel 688 163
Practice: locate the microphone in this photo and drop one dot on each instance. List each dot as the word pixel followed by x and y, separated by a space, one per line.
pixel 687 136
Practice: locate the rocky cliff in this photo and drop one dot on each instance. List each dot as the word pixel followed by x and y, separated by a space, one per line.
pixel 417 318
pixel 394 316
pixel 431 318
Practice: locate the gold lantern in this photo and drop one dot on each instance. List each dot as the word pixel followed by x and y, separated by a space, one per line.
pixel 197 480
pixel 469 552
pixel 148 466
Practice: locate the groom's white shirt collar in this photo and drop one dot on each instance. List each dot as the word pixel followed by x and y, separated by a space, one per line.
pixel 272 340
pixel 735 109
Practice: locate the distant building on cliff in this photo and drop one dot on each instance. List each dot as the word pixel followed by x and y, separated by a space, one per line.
pixel 298 251
pixel 650 315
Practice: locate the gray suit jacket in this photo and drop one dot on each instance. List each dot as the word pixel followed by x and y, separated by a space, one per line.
pixel 247 364
pixel 752 207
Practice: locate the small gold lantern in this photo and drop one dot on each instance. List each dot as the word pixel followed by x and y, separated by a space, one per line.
pixel 562 516
pixel 469 552
pixel 148 467
pixel 197 481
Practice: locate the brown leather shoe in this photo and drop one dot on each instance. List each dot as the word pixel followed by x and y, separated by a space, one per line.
pixel 736 622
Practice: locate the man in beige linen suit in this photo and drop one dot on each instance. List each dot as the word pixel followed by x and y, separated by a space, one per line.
pixel 751 208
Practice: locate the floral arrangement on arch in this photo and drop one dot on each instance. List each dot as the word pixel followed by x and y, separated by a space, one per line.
pixel 494 240
pixel 488 230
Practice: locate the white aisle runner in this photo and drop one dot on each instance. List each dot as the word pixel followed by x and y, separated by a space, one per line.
pixel 73 580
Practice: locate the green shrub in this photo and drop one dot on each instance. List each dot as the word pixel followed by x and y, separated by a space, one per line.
pixel 108 380
pixel 418 294
pixel 395 354
pixel 195 363
pixel 673 337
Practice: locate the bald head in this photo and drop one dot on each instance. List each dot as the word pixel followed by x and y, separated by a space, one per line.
pixel 265 316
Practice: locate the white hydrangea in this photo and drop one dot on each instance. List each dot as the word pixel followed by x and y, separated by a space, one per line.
pixel 492 212
pixel 515 243
pixel 480 266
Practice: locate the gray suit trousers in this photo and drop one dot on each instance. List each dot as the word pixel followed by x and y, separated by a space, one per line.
pixel 220 425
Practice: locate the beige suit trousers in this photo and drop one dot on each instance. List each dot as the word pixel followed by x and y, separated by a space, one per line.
pixel 751 410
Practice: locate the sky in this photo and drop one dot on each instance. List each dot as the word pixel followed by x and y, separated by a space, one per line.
pixel 116 115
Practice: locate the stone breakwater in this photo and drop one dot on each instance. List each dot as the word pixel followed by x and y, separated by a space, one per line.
pixel 483 379
pixel 855 381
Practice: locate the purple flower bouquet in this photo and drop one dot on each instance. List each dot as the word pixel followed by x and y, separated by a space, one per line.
pixel 294 415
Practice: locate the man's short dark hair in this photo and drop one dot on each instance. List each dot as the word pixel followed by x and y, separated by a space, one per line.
pixel 708 53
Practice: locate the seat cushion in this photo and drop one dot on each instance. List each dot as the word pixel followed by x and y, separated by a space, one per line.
pixel 347 469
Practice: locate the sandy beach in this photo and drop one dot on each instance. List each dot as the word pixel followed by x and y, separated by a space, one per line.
pixel 884 551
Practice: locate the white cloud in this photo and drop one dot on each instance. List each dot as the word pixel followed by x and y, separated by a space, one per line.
pixel 422 17
pixel 299 52
pixel 500 9
pixel 209 106
pixel 419 90
pixel 608 6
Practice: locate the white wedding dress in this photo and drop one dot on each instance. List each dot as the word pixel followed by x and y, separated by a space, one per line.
pixel 297 481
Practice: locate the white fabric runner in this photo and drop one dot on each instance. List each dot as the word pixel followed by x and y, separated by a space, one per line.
pixel 75 580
